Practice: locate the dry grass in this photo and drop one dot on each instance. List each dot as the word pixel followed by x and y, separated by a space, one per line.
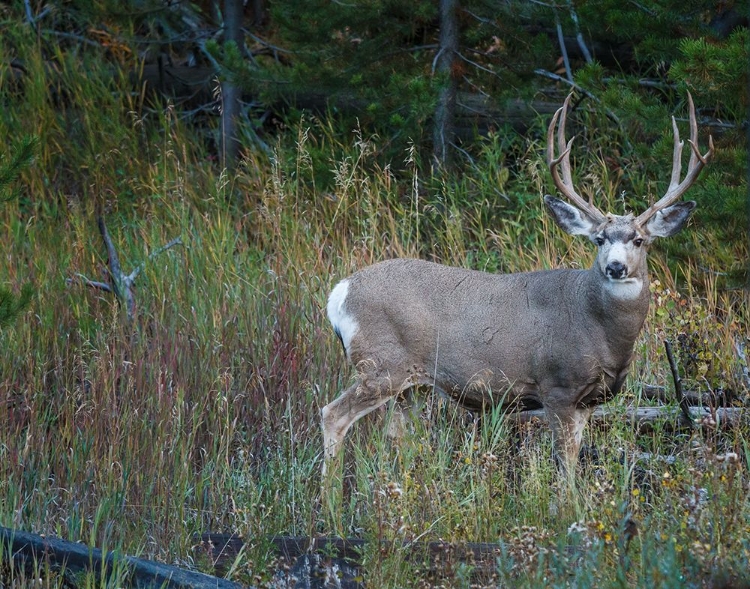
pixel 203 414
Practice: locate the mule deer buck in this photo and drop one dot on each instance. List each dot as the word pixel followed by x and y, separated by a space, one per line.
pixel 558 339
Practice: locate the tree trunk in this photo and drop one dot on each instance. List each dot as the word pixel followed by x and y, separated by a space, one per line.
pixel 444 129
pixel 230 93
pixel 259 14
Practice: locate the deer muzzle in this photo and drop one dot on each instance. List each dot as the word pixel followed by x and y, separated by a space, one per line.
pixel 616 271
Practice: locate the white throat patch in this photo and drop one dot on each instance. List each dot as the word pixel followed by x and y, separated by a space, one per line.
pixel 627 289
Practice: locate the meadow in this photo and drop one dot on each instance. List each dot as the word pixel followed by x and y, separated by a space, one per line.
pixel 202 413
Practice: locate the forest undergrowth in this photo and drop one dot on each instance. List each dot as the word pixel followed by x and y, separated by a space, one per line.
pixel 202 413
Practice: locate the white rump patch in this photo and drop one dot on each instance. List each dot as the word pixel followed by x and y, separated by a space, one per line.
pixel 342 322
pixel 627 289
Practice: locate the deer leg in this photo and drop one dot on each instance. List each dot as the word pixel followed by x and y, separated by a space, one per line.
pixel 340 414
pixel 567 432
pixel 402 414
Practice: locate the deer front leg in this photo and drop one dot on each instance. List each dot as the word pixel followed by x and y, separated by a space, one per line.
pixel 567 432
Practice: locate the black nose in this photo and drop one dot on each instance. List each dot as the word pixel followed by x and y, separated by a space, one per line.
pixel 616 270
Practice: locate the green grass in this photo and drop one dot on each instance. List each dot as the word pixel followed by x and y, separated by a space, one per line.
pixel 202 415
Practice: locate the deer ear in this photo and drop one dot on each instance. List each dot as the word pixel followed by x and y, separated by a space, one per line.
pixel 570 219
pixel 670 220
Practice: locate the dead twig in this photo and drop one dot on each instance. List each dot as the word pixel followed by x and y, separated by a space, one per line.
pixel 681 398
pixel 739 346
pixel 553 76
pixel 563 49
pixel 122 285
pixel 579 37
pixel 92 283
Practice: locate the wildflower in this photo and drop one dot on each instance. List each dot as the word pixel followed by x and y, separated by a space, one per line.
pixel 393 490
pixel 576 528
pixel 728 457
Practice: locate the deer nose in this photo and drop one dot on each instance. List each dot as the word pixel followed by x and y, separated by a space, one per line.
pixel 616 270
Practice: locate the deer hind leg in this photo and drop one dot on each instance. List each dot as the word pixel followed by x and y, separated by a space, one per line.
pixel 567 432
pixel 402 414
pixel 363 397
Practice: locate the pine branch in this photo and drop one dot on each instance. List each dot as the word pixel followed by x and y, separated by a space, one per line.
pixel 11 305
pixel 19 160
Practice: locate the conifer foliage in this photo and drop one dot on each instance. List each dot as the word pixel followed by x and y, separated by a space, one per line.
pixel 10 168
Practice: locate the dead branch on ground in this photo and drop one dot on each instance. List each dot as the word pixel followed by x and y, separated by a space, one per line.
pixel 121 284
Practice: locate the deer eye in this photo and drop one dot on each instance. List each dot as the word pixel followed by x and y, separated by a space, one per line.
pixel 638 242
pixel 599 240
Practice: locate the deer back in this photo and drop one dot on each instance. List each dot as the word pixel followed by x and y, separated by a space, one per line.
pixel 474 334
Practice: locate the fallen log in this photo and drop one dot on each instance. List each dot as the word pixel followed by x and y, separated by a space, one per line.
pixel 26 549
pixel 643 419
pixel 717 398
pixel 313 559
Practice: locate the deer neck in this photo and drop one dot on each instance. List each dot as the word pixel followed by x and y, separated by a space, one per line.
pixel 620 306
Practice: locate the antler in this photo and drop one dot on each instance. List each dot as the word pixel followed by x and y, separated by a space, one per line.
pixel 565 185
pixel 697 161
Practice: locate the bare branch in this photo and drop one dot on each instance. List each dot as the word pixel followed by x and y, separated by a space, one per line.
pixel 79 38
pixel 563 49
pixel 643 82
pixel 92 283
pixel 265 43
pixel 114 259
pixel 134 274
pixel 579 37
pixel 681 398
pixel 551 75
pixel 479 66
pixel 121 285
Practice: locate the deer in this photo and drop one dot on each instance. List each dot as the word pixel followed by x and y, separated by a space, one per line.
pixel 561 340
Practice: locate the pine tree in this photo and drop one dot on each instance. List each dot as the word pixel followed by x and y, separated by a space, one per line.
pixel 11 305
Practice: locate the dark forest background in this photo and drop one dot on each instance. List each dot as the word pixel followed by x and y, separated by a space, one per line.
pixel 181 184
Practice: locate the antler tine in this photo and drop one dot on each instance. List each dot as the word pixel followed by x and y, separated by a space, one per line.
pixel 565 184
pixel 676 157
pixel 676 188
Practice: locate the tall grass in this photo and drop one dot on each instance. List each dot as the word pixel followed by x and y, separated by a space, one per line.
pixel 203 414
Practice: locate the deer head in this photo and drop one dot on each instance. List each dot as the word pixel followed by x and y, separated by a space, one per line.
pixel 622 240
